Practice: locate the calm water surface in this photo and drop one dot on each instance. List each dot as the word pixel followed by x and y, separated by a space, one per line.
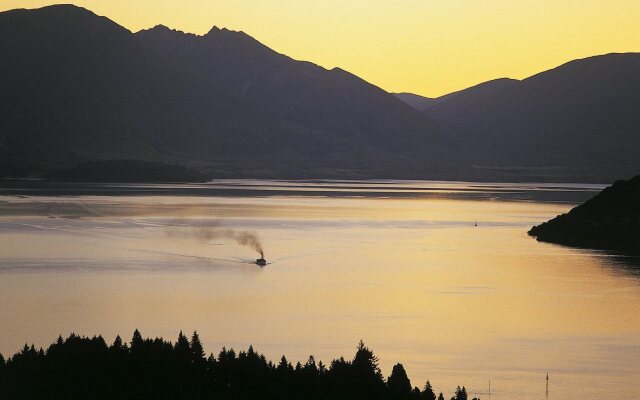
pixel 399 264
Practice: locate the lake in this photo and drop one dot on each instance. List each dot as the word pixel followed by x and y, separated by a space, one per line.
pixel 439 276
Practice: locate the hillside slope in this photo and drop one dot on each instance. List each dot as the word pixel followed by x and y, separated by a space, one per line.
pixel 335 102
pixel 609 221
pixel 77 87
pixel 579 121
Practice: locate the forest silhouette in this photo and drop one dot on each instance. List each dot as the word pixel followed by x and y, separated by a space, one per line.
pixel 82 367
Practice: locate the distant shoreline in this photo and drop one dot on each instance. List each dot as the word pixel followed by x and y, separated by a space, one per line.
pixel 572 193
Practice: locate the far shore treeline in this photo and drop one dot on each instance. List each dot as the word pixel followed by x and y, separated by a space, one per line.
pixel 88 368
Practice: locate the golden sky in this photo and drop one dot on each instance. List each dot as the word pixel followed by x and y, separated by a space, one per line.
pixel 429 47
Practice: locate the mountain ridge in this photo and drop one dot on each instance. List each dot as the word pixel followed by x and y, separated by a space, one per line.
pixel 416 101
pixel 77 87
pixel 578 119
pixel 122 99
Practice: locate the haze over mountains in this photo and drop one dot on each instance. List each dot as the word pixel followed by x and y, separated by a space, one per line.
pixel 77 87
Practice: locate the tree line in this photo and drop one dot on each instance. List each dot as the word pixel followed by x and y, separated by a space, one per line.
pixel 82 367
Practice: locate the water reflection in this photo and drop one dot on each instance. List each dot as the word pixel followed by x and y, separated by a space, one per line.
pixel 553 192
pixel 411 275
pixel 620 264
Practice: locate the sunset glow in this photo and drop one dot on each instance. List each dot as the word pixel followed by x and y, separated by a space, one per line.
pixel 426 47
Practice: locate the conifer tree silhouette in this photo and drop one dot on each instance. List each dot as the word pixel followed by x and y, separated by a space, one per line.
pixel 81 367
pixel 136 341
pixel 367 377
pixel 427 392
pixel 399 384
pixel 460 394
pixel 196 349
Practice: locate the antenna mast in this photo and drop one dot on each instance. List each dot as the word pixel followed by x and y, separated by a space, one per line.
pixel 547 391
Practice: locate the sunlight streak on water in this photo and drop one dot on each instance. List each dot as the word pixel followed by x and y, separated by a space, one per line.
pixel 410 274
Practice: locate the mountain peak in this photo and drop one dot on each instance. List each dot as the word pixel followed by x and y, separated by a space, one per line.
pixel 57 11
pixel 63 8
pixel 164 31
pixel 215 30
pixel 161 28
pixel 60 22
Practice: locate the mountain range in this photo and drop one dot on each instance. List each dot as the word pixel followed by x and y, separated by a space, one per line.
pixel 77 87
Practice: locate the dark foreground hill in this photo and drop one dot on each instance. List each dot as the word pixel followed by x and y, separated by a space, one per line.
pixel 88 368
pixel 609 221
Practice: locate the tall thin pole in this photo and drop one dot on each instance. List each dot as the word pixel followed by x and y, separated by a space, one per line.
pixel 547 391
pixel 489 389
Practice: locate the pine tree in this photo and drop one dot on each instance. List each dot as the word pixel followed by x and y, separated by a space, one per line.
pixel 251 353
pixel 231 354
pixel 196 349
pixel 136 340
pixel 366 362
pixel 461 394
pixel 322 369
pixel 183 349
pixel 398 383
pixel 117 343
pixel 310 365
pixel 158 369
pixel 368 381
pixel 284 366
pixel 428 393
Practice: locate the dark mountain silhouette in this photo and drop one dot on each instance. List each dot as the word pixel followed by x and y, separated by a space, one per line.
pixel 367 122
pixel 333 102
pixel 579 121
pixel 416 101
pixel 78 87
pixel 609 221
pixel 462 99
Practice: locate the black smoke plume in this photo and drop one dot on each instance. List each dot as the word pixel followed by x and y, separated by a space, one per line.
pixel 209 230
